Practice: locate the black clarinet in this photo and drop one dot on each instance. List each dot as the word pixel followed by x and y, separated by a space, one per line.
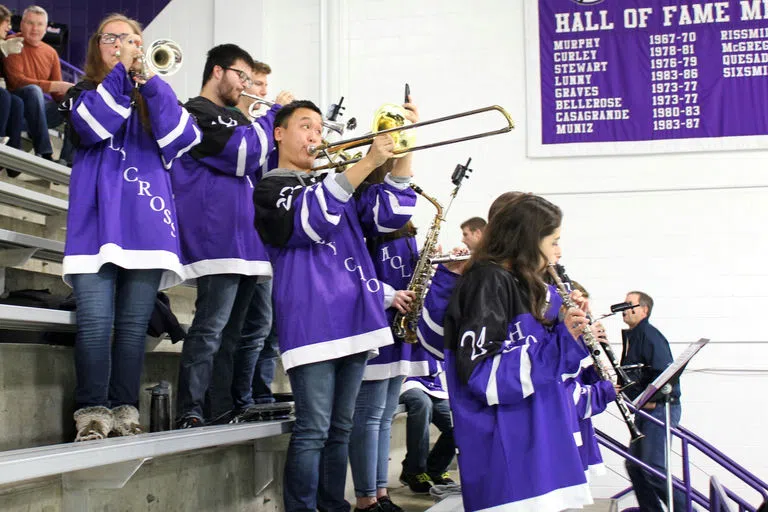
pixel 622 377
pixel 594 347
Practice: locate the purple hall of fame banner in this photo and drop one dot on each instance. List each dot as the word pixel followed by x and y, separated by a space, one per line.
pixel 644 76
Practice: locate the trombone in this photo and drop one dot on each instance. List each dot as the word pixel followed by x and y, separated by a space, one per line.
pixel 327 148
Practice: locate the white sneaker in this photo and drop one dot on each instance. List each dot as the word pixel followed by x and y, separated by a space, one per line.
pixel 4 140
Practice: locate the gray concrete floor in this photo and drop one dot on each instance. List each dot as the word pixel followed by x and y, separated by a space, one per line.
pixel 410 502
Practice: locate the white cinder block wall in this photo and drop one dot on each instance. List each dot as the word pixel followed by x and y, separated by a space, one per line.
pixel 686 228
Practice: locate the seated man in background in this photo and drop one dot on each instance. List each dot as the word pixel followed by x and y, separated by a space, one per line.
pixel 11 107
pixel 34 72
pixel 426 401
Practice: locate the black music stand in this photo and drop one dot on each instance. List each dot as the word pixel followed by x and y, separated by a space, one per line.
pixel 660 390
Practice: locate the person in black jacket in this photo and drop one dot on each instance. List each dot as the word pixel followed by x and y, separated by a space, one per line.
pixel 645 346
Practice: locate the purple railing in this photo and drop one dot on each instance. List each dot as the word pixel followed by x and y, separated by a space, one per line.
pixel 69 72
pixel 689 439
pixel 717 497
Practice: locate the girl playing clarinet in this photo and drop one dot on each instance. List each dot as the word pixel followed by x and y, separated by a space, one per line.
pixel 504 363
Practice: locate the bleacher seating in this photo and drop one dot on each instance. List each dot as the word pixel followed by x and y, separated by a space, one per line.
pixel 109 463
pixel 451 503
pixel 25 318
pixel 28 163
pixel 44 249
pixel 37 202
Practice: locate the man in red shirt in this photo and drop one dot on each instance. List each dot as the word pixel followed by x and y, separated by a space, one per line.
pixel 34 72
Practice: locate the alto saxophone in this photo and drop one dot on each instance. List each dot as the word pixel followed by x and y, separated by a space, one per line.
pixel 404 325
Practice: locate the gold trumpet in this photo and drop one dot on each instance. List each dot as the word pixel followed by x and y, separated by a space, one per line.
pixel 404 142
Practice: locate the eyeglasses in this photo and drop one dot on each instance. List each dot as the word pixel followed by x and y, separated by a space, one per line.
pixel 109 38
pixel 242 75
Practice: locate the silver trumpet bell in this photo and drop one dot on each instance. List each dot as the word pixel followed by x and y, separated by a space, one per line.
pixel 163 57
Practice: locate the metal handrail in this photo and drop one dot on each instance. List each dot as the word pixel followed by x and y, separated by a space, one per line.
pixel 688 439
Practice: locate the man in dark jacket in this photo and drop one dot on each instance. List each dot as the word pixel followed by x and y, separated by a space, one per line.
pixel 646 347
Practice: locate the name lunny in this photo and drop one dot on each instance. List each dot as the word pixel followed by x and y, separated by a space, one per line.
pixel 156 203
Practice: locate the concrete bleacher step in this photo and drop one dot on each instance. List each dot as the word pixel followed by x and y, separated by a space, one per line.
pixel 21 197
pixel 25 318
pixel 28 163
pixel 107 467
pixel 45 249
pixel 602 505
pixel 454 503
pixel 30 463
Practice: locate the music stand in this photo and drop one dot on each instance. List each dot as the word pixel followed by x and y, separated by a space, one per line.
pixel 660 390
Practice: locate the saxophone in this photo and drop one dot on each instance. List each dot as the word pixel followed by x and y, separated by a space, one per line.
pixel 404 325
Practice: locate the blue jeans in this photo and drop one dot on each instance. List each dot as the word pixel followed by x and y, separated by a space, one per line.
pixel 35 113
pixel 265 368
pixel 650 489
pixel 424 409
pixel 41 115
pixel 11 118
pixel 110 374
pixel 316 463
pixel 235 363
pixel 369 444
pixel 222 301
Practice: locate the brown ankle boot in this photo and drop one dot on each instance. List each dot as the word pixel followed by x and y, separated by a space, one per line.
pixel 93 423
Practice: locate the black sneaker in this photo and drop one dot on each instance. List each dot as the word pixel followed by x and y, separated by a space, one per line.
pixel 442 479
pixel 224 419
pixel 373 508
pixel 386 505
pixel 189 422
pixel 265 412
pixel 417 482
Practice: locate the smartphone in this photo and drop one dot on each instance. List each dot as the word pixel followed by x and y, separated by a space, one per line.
pixel 407 93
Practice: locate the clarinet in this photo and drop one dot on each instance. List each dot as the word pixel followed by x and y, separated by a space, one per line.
pixel 594 347
pixel 621 375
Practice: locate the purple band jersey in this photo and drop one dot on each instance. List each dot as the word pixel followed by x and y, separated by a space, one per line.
pixel 213 185
pixel 121 208
pixel 328 301
pixel 394 261
pixel 514 421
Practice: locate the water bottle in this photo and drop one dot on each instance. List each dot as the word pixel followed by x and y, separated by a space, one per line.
pixel 160 407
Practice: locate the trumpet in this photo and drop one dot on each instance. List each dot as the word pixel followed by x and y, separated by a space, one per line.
pixel 257 100
pixel 403 142
pixel 330 125
pixel 163 58
pixel 449 257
